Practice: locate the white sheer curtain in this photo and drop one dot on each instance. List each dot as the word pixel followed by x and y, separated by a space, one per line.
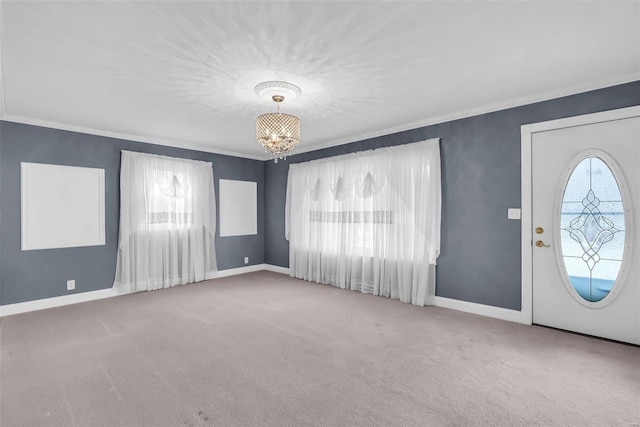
pixel 368 221
pixel 167 222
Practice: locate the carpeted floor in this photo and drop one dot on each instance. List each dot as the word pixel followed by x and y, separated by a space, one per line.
pixel 264 349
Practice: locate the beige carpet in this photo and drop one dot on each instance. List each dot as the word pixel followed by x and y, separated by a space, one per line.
pixel 264 349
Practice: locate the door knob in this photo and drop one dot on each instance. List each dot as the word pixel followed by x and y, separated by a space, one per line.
pixel 541 244
pixel 539 230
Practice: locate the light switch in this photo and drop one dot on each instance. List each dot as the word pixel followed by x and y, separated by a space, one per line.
pixel 513 213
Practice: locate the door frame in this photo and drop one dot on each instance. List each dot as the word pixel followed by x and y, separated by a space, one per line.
pixel 527 131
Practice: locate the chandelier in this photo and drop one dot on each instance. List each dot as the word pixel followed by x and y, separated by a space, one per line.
pixel 277 132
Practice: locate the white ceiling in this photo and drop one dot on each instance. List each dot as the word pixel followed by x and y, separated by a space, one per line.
pixel 182 73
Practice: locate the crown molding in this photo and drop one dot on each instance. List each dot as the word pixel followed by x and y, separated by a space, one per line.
pixel 489 108
pixel 126 136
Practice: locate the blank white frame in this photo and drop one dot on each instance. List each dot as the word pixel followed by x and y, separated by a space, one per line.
pixel 61 206
pixel 238 208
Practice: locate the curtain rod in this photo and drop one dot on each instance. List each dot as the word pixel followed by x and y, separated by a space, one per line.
pixel 367 152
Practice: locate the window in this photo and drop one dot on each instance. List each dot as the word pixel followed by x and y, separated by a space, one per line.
pixel 593 229
pixel 167 222
pixel 368 221
pixel 170 201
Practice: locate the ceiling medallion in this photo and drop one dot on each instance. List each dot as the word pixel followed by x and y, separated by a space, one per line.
pixel 277 132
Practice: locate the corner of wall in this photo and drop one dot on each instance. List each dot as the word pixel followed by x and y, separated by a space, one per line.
pixel 1 125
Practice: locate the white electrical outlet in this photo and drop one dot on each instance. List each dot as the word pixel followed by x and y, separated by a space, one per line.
pixel 246 260
pixel 71 285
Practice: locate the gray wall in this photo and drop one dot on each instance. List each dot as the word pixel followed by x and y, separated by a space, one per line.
pixel 480 257
pixel 32 275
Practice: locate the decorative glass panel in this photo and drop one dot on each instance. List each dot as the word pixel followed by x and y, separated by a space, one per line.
pixel 592 223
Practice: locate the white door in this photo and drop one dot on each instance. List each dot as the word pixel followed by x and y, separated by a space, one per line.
pixel 586 228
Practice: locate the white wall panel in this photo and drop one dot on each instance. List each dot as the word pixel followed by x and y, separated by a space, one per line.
pixel 238 208
pixel 62 206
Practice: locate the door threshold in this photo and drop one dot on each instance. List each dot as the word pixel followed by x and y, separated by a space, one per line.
pixel 588 336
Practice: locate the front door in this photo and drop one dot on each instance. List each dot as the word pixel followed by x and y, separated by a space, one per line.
pixel 585 220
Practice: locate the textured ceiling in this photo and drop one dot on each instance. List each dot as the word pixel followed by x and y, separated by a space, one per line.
pixel 182 73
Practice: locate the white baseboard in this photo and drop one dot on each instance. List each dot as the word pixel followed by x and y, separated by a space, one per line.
pixel 235 271
pixel 276 269
pixel 41 304
pixel 468 307
pixel 483 310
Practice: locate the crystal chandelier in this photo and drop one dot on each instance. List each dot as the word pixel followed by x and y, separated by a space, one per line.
pixel 277 132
